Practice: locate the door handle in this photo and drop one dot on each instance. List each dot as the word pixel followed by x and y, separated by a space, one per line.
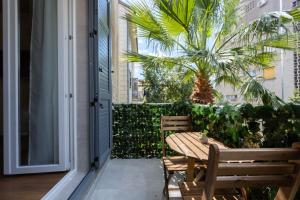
pixel 94 102
pixel 101 106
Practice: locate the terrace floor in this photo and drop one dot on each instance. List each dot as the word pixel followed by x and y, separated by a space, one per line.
pixel 132 179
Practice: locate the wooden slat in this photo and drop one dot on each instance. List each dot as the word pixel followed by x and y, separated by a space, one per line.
pixel 194 190
pixel 275 154
pixel 190 169
pixel 175 128
pixel 189 144
pixel 290 192
pixel 175 163
pixel 191 188
pixel 250 181
pixel 175 117
pixel 192 145
pixel 177 123
pixel 212 170
pixel 217 197
pixel 197 136
pixel 177 145
pixel 255 168
pixel 228 197
pixel 196 142
pixel 192 197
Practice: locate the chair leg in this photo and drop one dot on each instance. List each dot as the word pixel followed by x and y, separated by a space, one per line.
pixel 244 193
pixel 200 175
pixel 166 188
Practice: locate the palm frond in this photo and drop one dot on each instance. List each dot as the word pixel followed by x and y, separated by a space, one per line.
pixel 160 61
pixel 142 16
pixel 252 88
pixel 295 13
pixel 176 12
pixel 282 41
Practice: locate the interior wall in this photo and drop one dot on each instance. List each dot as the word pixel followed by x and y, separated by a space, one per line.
pixel 82 86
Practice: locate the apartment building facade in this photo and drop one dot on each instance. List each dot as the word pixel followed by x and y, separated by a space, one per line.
pixel 282 77
pixel 124 39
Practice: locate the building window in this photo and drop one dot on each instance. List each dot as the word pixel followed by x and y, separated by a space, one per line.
pixel 296 54
pixel 250 6
pixel 231 97
pixel 251 73
pixel 269 73
pixel 296 3
pixel 130 79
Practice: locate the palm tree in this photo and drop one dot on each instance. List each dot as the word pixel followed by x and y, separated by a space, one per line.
pixel 205 41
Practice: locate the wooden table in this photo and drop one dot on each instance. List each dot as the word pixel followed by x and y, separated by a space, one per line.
pixel 189 144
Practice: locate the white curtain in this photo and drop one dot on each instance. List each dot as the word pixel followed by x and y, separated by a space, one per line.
pixel 43 99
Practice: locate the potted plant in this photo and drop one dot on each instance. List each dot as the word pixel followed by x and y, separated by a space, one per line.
pixel 204 138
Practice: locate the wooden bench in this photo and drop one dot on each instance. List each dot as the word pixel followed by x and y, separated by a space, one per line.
pixel 277 167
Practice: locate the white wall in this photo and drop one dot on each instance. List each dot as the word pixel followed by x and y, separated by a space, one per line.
pixel 82 85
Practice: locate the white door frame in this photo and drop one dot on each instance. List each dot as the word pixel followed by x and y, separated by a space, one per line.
pixel 11 57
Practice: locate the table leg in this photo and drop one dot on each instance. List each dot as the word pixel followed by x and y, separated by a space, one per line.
pixel 190 170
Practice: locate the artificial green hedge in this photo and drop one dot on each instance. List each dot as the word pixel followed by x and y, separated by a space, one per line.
pixel 136 127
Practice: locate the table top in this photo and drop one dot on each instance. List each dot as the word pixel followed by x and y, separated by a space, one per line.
pixel 189 144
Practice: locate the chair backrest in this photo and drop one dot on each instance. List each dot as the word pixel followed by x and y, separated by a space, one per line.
pixel 174 124
pixel 236 168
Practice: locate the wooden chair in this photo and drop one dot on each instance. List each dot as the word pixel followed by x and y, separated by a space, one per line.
pixel 174 163
pixel 277 167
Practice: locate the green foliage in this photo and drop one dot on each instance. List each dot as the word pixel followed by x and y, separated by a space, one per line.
pixel 267 193
pixel 296 97
pixel 166 86
pixel 136 128
pixel 201 37
pixel 225 123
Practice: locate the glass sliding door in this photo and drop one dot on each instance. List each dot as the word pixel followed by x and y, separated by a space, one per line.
pixel 36 95
pixel 38 78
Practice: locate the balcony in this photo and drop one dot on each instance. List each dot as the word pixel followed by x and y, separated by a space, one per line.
pixel 135 170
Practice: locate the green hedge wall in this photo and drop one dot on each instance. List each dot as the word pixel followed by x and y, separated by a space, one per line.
pixel 136 127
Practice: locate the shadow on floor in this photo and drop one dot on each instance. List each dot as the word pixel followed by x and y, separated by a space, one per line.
pixel 132 179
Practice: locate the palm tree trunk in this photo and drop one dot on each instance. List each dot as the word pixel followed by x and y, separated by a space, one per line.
pixel 202 92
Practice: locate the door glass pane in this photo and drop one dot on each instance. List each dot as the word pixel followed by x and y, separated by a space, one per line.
pixel 38 82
